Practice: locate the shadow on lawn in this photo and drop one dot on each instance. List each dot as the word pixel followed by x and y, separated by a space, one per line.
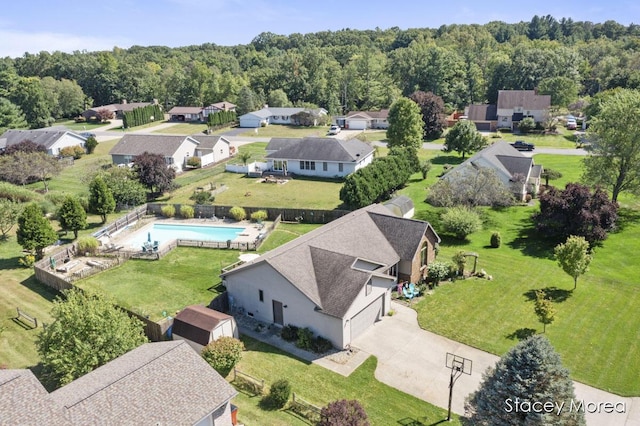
pixel 555 294
pixel 529 242
pixel 627 217
pixel 521 334
pixel 447 159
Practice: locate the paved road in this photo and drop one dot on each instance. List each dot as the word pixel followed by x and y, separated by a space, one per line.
pixel 413 360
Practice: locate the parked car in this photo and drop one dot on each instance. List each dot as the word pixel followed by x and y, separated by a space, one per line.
pixel 88 135
pixel 334 129
pixel 523 146
pixel 572 124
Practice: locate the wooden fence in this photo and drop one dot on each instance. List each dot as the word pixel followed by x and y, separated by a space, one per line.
pixel 247 382
pixel 305 409
pixel 133 216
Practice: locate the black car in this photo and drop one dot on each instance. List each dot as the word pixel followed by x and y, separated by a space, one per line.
pixel 523 146
pixel 88 135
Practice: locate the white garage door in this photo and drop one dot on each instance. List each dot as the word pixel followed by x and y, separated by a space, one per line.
pixel 366 317
pixel 357 124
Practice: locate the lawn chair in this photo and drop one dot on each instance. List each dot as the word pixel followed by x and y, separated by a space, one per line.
pixel 413 289
pixel 407 293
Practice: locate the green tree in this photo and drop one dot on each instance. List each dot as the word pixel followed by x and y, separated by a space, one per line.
pixel 9 213
pixel 464 138
pixel 544 309
pixel 530 371
pixel 41 165
pixel 91 144
pixel 405 124
pixel 425 166
pixel 247 101
pixel 615 151
pixel 563 90
pixel 573 257
pixel 125 187
pixel 550 174
pixel 223 354
pixel 278 98
pixel 11 116
pixel 461 221
pixel 88 331
pixel 526 125
pixel 34 230
pixel 72 216
pixel 30 96
pixel 101 199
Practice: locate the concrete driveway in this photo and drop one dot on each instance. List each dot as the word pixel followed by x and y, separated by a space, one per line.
pixel 413 360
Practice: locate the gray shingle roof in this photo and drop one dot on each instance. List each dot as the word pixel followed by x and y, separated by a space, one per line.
pixel 528 99
pixel 185 110
pixel 163 383
pixel 482 112
pixel 321 269
pixel 276 144
pixel 24 401
pixel 207 141
pixel 46 137
pixel 503 157
pixel 324 149
pixel 382 114
pixel 133 144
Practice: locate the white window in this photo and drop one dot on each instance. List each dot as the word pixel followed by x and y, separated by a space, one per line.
pixel 324 166
pixel 307 165
pixel 340 167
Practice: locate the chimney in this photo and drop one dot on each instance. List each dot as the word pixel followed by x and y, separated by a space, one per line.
pixel 124 102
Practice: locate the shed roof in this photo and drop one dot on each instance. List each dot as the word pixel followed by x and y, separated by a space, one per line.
pixel 196 323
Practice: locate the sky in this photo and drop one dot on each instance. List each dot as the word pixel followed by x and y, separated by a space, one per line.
pixel 67 26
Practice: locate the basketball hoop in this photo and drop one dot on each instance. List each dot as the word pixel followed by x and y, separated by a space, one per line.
pixel 458 365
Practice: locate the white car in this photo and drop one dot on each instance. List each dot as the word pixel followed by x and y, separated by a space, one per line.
pixel 334 130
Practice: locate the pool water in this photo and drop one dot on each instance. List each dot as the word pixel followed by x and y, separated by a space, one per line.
pixel 164 232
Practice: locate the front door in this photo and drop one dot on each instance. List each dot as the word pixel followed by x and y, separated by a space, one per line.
pixel 278 315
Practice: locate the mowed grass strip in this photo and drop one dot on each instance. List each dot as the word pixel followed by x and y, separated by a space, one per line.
pixel 384 405
pixel 286 131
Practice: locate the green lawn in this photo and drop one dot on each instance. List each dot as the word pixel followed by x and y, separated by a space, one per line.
pixel 186 276
pixel 564 138
pixel 81 127
pixel 284 233
pixel 595 331
pixel 384 405
pixel 20 289
pixel 373 136
pixel 286 131
pixel 184 129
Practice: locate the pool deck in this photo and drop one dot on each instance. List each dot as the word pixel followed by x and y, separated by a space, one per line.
pixel 120 239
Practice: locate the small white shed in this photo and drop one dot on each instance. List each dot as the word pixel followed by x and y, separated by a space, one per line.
pixel 199 325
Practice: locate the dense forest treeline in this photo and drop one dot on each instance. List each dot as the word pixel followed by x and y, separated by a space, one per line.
pixel 338 70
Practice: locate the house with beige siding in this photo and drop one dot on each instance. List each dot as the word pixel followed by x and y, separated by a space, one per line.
pixel 53 139
pixel 337 279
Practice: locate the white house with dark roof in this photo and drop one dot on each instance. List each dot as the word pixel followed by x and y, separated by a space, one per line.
pixel 117 110
pixel 516 170
pixel 186 113
pixel 164 383
pixel 175 149
pixel 53 139
pixel 275 115
pixel 322 157
pixel 514 105
pixel 336 279
pixel 361 120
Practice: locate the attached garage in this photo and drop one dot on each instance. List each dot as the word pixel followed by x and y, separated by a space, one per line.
pixel 366 318
pixel 483 127
pixel 356 124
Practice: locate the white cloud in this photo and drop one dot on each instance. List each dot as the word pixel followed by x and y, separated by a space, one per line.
pixel 16 43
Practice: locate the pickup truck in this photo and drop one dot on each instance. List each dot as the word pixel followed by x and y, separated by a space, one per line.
pixel 523 146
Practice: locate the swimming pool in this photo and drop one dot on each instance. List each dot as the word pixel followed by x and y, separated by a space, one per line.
pixel 164 232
